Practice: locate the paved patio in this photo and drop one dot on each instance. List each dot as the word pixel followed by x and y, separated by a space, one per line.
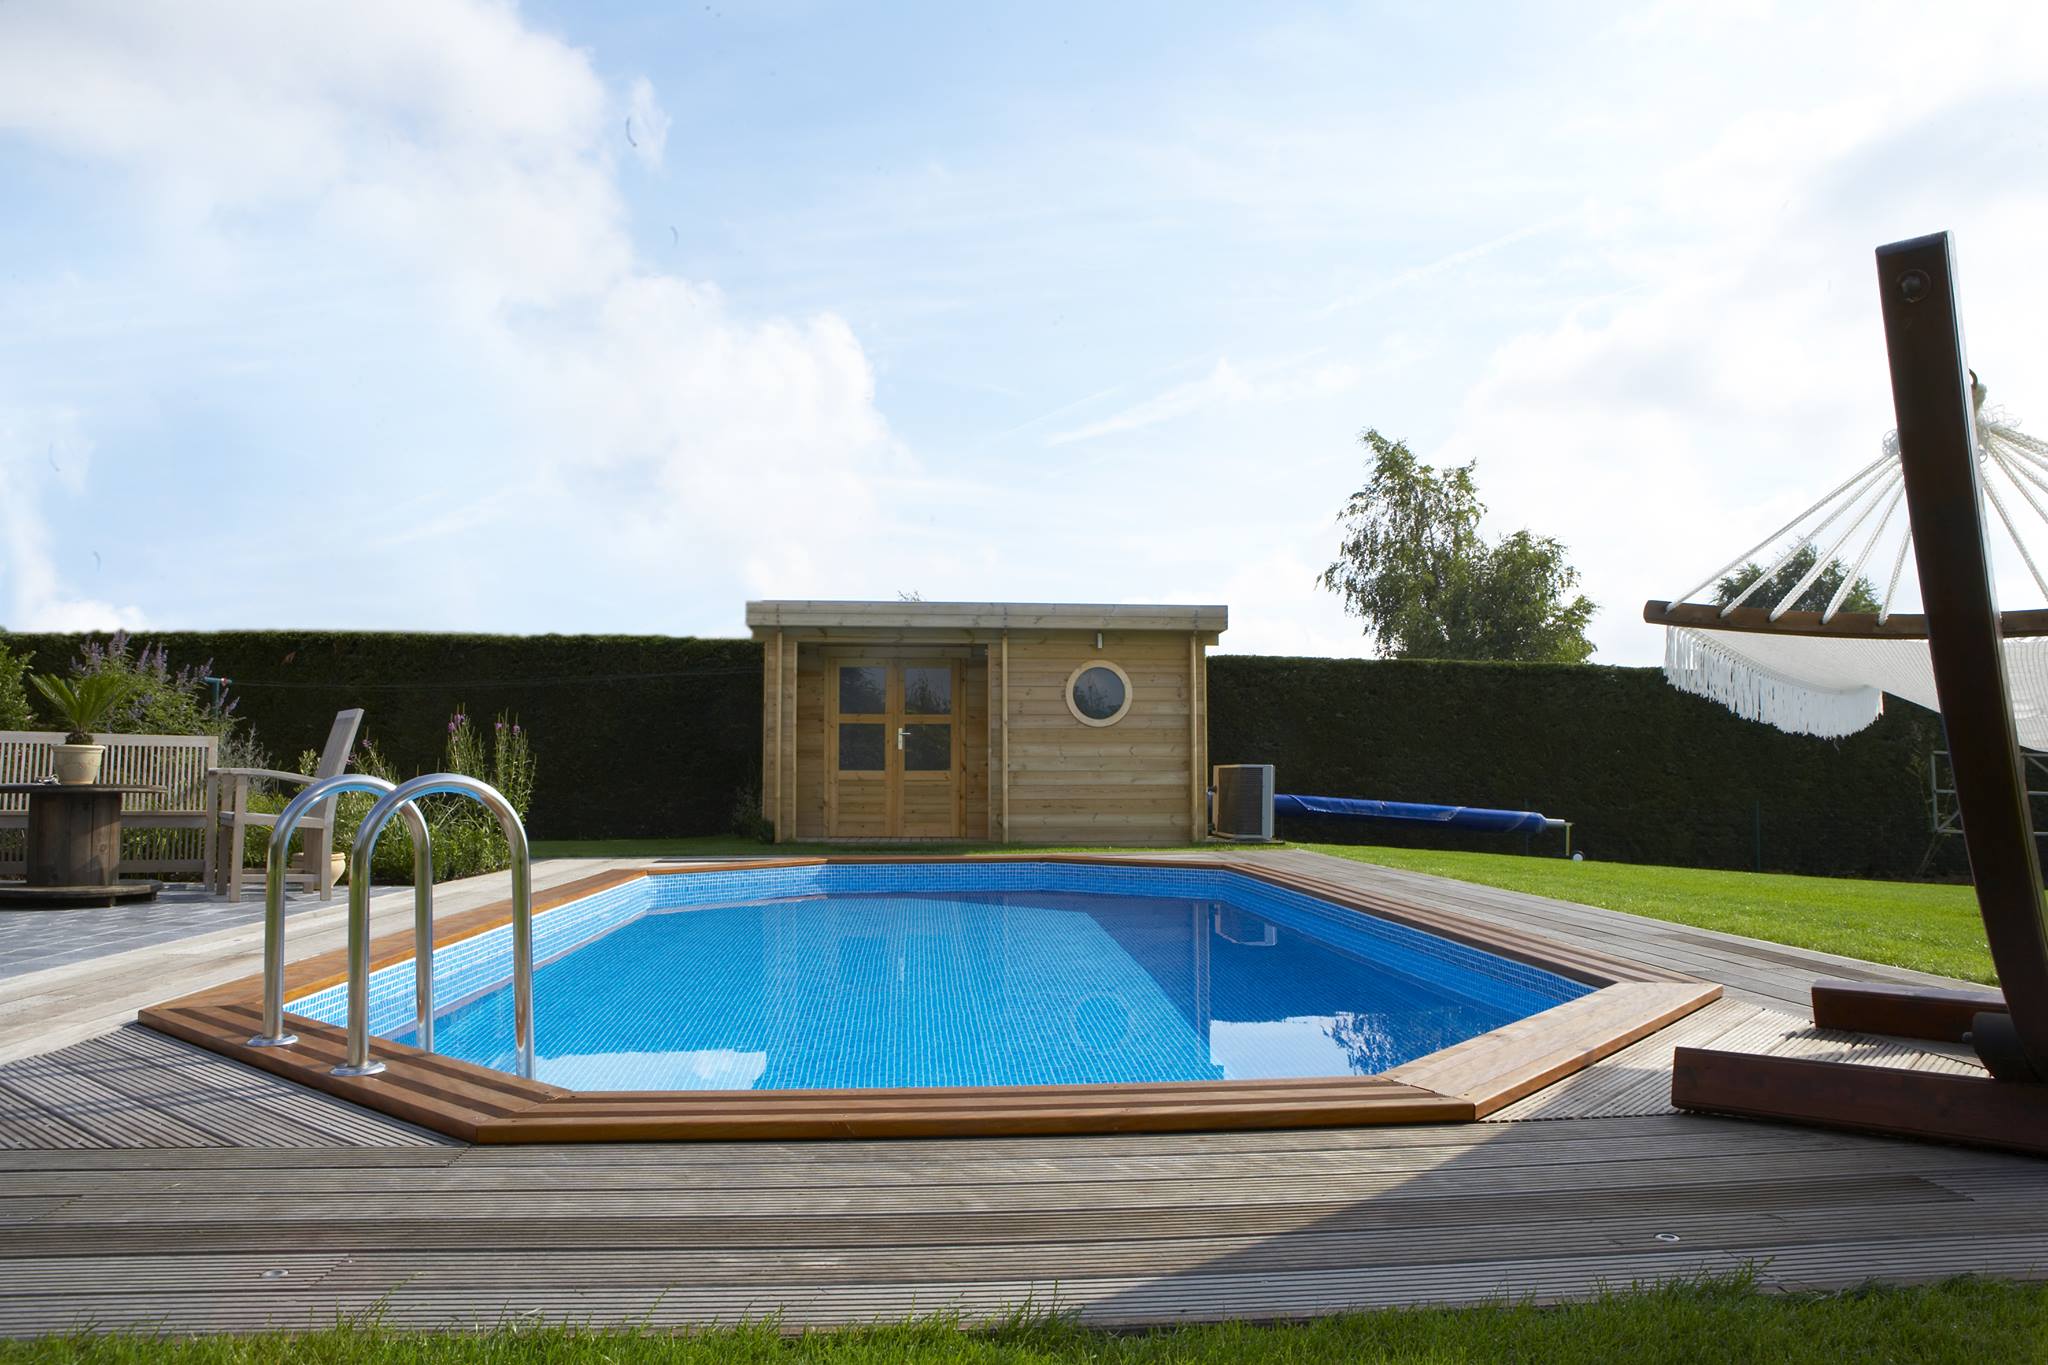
pixel 151 1184
pixel 31 940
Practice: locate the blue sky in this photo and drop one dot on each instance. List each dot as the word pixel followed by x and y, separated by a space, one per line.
pixel 456 315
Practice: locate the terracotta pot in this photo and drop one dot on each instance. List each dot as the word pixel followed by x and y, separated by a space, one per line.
pixel 77 764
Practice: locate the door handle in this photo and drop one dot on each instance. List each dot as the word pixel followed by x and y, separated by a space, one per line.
pixel 901 735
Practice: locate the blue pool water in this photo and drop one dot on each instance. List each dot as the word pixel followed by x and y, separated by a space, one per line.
pixel 908 975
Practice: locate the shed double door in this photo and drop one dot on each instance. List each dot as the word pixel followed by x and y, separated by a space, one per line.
pixel 893 750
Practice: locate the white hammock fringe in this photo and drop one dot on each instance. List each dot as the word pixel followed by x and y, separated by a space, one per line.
pixel 1696 664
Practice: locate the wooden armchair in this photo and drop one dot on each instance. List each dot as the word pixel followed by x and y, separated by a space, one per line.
pixel 232 818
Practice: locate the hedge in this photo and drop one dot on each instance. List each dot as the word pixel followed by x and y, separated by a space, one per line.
pixel 1646 773
pixel 659 736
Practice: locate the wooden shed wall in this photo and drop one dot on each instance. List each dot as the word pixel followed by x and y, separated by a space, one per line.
pixel 1131 782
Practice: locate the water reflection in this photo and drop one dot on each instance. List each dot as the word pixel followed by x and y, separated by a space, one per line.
pixel 973 989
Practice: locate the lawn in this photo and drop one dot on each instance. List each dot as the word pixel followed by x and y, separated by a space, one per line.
pixel 1962 1321
pixel 1929 927
pixel 1926 926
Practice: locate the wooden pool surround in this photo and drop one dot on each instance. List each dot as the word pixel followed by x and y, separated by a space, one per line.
pixel 475 1104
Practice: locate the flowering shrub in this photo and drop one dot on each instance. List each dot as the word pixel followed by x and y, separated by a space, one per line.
pixel 465 836
pixel 467 839
pixel 166 701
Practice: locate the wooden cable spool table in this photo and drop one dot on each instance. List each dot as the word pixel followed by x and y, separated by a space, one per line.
pixel 74 847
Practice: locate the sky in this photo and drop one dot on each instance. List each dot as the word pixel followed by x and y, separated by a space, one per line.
pixel 460 315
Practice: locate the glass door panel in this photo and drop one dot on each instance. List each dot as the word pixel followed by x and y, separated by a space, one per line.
pixel 928 691
pixel 863 747
pixel 863 690
pixel 927 748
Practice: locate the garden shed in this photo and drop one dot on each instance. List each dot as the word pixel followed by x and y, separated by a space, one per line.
pixel 1006 721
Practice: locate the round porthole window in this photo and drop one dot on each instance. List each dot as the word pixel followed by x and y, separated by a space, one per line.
pixel 1098 694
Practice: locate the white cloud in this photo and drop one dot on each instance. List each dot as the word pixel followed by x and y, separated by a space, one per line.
pixel 1736 370
pixel 455 171
pixel 647 124
pixel 1225 384
pixel 39 453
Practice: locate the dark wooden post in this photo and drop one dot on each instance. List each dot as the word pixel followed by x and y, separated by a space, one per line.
pixel 1938 447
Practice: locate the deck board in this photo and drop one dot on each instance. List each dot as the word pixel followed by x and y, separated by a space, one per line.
pixel 147 1182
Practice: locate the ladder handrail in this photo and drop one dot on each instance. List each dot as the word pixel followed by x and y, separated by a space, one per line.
pixel 288 819
pixel 398 798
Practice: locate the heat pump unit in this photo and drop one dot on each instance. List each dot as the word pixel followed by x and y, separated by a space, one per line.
pixel 1242 806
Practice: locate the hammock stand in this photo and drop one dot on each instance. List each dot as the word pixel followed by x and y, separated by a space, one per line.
pixel 1969 648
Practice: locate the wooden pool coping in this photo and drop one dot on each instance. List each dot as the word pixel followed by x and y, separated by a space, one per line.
pixel 1464 1082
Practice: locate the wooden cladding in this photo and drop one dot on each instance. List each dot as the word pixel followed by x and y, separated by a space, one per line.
pixel 1025 767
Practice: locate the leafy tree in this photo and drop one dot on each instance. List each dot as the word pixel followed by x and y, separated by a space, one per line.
pixel 1414 566
pixel 1862 596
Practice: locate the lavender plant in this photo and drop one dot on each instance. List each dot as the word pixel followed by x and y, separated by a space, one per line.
pixel 160 700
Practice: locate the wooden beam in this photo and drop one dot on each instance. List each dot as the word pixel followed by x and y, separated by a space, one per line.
pixel 1194 738
pixel 764 617
pixel 1873 1099
pixel 1847 625
pixel 775 818
pixel 1938 454
pixel 1006 737
pixel 789 743
pixel 771 770
pixel 1901 1011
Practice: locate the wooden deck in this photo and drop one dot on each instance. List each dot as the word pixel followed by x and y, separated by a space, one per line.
pixel 145 1182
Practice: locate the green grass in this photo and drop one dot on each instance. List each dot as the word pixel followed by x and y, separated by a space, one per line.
pixel 1931 928
pixel 1925 926
pixel 1961 1320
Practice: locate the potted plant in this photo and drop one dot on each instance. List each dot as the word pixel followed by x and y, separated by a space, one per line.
pixel 83 705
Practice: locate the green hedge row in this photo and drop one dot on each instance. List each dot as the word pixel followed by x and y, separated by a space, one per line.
pixel 633 735
pixel 653 735
pixel 1645 773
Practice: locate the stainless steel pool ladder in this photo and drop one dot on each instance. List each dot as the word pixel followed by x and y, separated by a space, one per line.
pixel 288 819
pixel 400 798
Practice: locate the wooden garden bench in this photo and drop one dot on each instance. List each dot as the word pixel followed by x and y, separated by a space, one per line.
pixel 175 826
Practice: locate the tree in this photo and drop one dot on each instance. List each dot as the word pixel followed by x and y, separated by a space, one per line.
pixel 1862 596
pixel 1415 568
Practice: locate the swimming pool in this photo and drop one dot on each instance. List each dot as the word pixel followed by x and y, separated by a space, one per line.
pixel 894 996
pixel 936 975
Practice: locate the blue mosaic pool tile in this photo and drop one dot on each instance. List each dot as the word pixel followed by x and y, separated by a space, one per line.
pixel 854 975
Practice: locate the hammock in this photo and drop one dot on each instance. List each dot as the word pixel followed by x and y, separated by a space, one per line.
pixel 1825 673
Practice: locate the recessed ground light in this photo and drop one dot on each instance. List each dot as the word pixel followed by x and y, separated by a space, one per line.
pixel 275 1274
pixel 1667 1236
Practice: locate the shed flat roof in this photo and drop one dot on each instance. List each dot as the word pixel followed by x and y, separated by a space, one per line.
pixel 985 616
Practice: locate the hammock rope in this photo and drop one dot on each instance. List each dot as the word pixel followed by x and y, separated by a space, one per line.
pixel 1834 685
